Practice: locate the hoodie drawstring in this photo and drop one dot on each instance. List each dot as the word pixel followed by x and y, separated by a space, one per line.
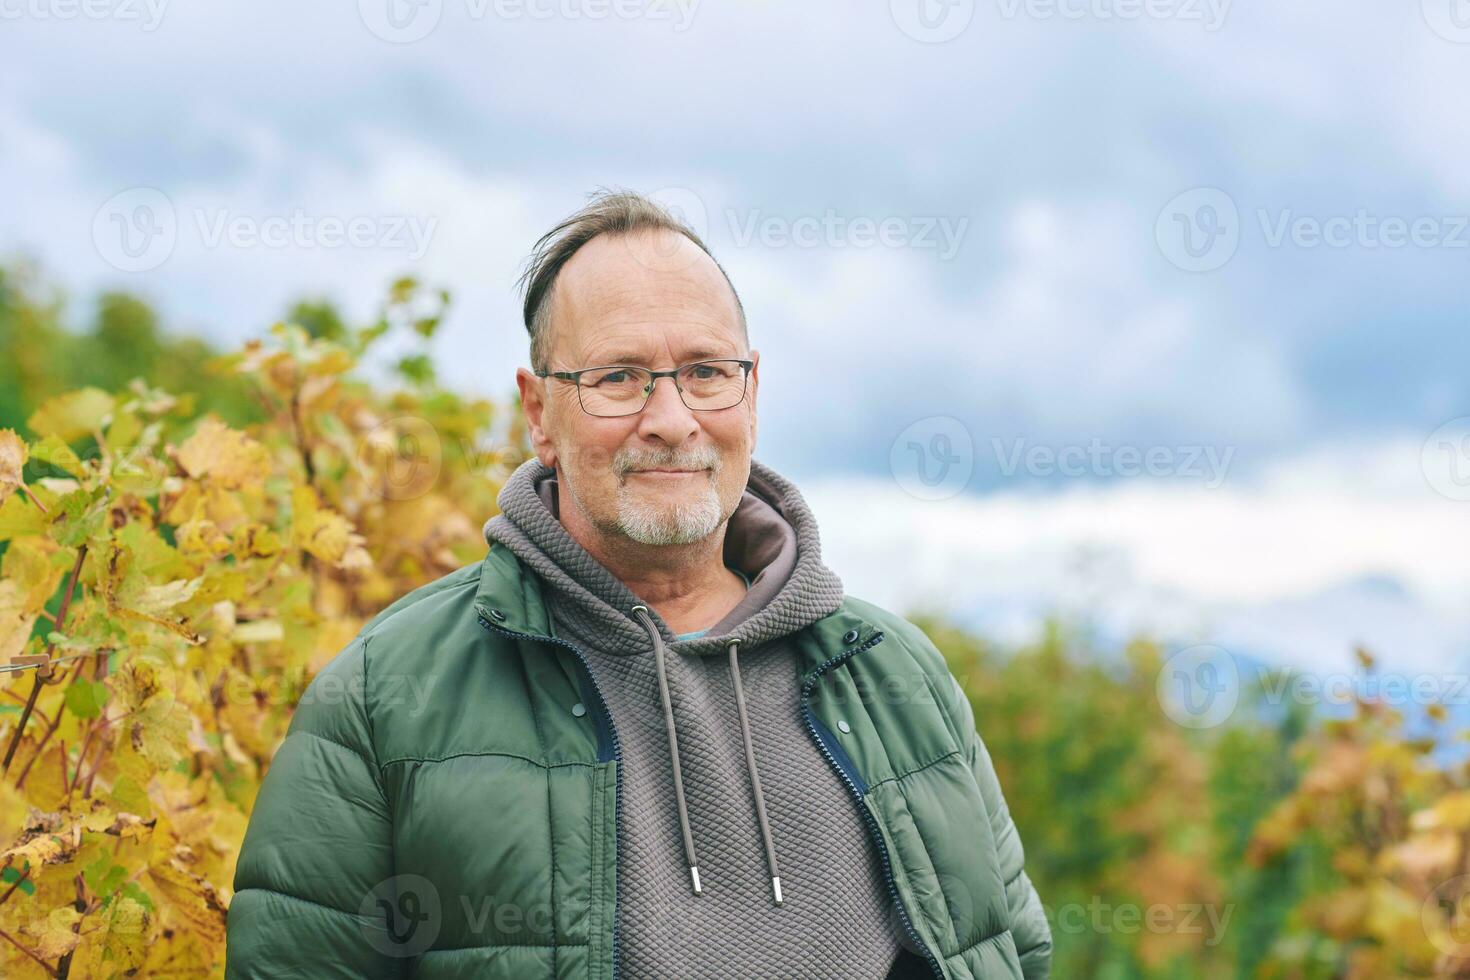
pixel 755 779
pixel 755 782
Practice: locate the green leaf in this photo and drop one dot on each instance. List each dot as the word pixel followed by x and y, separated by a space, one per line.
pixel 81 519
pixel 86 698
pixel 418 368
pixel 52 450
pixel 131 890
pixel 127 795
pixel 72 415
pixel 10 876
pixel 104 877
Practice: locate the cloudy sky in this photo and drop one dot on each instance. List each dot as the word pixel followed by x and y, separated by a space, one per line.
pixel 1151 312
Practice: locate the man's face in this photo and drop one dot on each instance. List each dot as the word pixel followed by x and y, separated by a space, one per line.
pixel 654 300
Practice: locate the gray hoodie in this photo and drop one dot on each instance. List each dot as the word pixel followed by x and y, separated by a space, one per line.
pixel 723 789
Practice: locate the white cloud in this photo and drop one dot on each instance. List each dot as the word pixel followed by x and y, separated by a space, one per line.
pixel 1301 564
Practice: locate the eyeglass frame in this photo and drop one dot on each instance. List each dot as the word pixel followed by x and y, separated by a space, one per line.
pixel 746 366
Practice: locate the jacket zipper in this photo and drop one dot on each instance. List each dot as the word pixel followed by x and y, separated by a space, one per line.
pixel 873 829
pixel 617 757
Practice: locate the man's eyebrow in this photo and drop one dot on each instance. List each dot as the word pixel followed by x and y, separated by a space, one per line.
pixel 697 354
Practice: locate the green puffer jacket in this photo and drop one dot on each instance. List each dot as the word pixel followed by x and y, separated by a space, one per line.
pixel 436 811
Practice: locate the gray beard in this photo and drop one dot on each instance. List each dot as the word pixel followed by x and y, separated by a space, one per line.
pixel 683 523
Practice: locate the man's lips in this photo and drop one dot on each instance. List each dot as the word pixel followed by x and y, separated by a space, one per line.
pixel 665 473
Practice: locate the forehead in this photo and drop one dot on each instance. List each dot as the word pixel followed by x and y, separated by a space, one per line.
pixel 642 298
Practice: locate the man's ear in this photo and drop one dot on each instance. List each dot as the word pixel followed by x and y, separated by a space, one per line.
pixel 755 356
pixel 533 407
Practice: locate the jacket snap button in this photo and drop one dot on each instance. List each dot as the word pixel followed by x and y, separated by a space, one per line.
pixel 497 614
pixel 843 726
pixel 579 709
pixel 850 636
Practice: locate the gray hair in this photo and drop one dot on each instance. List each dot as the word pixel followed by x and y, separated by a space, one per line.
pixel 607 212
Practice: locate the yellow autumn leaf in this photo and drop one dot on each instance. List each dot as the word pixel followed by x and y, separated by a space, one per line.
pixel 40 848
pixel 99 819
pixel 57 936
pixel 160 730
pixel 1451 811
pixel 30 562
pixel 19 517
pixel 119 944
pixel 1425 854
pixel 193 898
pixel 13 808
pixel 128 795
pixel 201 540
pixel 28 578
pixel 325 535
pixel 226 457
pixel 17 619
pixel 158 598
pixel 255 540
pixel 258 631
pixel 13 455
pixel 72 415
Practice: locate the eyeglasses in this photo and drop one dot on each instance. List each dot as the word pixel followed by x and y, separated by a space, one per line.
pixel 622 389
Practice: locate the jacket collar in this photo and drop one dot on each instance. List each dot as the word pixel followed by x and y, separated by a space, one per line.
pixel 509 598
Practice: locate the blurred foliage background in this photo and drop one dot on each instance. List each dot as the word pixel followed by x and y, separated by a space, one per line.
pixel 187 535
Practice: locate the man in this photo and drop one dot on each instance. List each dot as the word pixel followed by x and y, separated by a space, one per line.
pixel 659 741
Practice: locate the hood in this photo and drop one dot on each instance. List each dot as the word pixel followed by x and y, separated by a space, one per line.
pixel 771 537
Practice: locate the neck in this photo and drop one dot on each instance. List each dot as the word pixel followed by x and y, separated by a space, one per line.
pixel 688 585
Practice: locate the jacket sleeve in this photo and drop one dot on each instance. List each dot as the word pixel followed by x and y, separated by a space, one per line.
pixel 1029 928
pixel 318 854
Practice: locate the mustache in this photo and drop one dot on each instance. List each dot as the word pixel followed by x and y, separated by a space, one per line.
pixel 699 459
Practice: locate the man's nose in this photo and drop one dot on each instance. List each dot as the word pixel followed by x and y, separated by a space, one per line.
pixel 665 415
